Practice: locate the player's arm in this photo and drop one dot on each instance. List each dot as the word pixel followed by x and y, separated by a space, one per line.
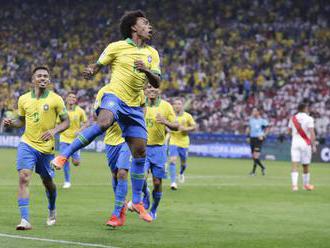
pixel 91 70
pixel 247 133
pixel 191 126
pixel 313 139
pixel 16 123
pixel 153 78
pixel 172 125
pixel 63 125
pixel 105 58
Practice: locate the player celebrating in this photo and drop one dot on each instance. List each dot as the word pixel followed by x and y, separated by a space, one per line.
pixel 301 126
pixel 257 130
pixel 179 141
pixel 38 111
pixel 133 62
pixel 78 122
pixel 159 116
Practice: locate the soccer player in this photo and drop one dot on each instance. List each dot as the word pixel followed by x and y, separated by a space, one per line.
pixel 257 130
pixel 38 111
pixel 179 142
pixel 78 122
pixel 133 62
pixel 118 156
pixel 301 126
pixel 159 116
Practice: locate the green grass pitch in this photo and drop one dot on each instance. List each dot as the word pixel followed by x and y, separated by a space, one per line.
pixel 218 206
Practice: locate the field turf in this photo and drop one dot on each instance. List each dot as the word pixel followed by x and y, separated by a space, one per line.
pixel 218 206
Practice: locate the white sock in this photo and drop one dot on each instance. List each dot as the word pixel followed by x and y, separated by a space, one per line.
pixel 306 178
pixel 294 178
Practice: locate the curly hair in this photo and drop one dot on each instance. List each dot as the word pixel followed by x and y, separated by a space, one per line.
pixel 128 20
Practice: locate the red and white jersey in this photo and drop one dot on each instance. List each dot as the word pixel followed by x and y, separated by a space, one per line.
pixel 306 122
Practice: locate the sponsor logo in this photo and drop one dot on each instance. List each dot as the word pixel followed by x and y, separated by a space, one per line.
pixel 46 107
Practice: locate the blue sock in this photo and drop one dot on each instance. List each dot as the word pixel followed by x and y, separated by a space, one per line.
pixel 120 196
pixel 146 195
pixel 172 171
pixel 156 199
pixel 137 178
pixel 51 199
pixel 183 168
pixel 114 184
pixel 67 172
pixel 23 205
pixel 83 139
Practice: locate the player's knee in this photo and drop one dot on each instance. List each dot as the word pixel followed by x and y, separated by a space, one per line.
pixel 139 152
pixel 173 160
pixel 157 183
pixel 24 178
pixel 122 174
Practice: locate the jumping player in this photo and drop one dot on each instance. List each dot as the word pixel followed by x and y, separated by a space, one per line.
pixel 133 62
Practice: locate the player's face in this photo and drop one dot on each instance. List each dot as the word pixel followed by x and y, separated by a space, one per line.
pixel 178 106
pixel 71 99
pixel 151 92
pixel 143 28
pixel 255 112
pixel 41 78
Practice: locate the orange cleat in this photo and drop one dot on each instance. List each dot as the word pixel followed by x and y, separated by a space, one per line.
pixel 58 162
pixel 114 221
pixel 309 187
pixel 143 214
pixel 123 213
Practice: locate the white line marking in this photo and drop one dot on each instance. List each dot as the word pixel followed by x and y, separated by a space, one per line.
pixel 55 241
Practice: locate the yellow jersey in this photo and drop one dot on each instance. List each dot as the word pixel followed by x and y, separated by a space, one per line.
pixel 180 138
pixel 77 116
pixel 113 135
pixel 126 81
pixel 40 116
pixel 157 131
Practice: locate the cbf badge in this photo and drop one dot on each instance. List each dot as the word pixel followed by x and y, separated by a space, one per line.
pixel 149 59
pixel 46 107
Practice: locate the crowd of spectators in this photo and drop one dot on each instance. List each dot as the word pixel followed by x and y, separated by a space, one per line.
pixel 223 57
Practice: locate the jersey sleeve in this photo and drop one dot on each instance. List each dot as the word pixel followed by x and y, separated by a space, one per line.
pixel 60 108
pixel 83 117
pixel 107 55
pixel 21 110
pixel 155 62
pixel 170 113
pixel 191 120
pixel 310 123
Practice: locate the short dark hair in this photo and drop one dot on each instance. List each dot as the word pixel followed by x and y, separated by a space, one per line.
pixel 128 20
pixel 71 93
pixel 40 67
pixel 302 106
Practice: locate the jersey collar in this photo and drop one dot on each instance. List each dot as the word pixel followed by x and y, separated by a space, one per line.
pixel 44 95
pixel 131 42
pixel 148 104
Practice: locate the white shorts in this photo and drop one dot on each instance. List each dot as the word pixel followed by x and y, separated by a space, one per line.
pixel 301 153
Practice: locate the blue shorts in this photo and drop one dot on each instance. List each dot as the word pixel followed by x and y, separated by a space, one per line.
pixel 75 156
pixel 130 119
pixel 119 157
pixel 179 151
pixel 156 160
pixel 31 159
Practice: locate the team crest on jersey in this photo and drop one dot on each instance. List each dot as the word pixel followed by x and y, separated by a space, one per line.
pixel 149 59
pixel 46 107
